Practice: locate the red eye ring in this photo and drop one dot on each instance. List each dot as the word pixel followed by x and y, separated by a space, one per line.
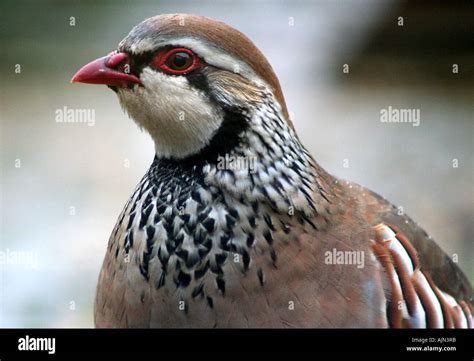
pixel 160 61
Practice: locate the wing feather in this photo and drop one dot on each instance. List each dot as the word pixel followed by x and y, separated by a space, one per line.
pixel 413 298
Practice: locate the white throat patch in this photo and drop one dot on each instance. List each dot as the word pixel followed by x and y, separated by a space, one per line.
pixel 180 119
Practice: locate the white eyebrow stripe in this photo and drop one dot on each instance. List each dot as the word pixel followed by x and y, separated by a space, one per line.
pixel 213 55
pixel 143 46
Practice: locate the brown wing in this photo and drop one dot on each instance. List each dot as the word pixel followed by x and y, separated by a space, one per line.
pixel 414 298
pixel 446 273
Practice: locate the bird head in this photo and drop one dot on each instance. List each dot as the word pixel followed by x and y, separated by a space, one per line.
pixel 192 82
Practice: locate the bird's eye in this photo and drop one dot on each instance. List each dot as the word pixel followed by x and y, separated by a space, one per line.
pixel 179 61
pixel 176 61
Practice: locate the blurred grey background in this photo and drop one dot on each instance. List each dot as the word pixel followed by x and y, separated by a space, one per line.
pixel 63 185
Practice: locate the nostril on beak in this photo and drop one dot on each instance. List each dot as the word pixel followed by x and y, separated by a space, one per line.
pixel 115 59
pixel 119 62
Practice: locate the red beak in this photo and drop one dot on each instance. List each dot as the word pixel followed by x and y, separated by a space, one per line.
pixel 106 70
